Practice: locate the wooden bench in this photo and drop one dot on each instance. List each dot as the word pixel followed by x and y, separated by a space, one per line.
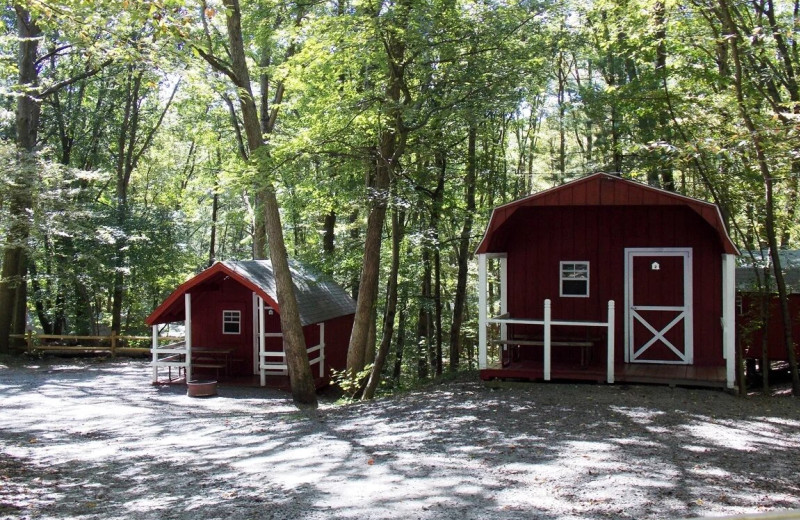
pixel 584 345
pixel 209 363
pixel 173 358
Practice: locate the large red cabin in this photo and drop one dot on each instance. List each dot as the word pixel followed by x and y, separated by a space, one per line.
pixel 233 329
pixel 605 278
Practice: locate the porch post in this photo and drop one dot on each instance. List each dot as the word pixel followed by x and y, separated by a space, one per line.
pixel 482 311
pixel 154 350
pixel 261 345
pixel 187 324
pixel 503 296
pixel 610 345
pixel 547 344
pixel 729 317
pixel 321 349
pixel 254 313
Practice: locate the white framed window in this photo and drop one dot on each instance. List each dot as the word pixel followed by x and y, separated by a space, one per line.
pixel 574 280
pixel 231 322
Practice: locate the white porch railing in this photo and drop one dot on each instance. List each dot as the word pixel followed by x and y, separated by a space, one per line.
pixel 268 365
pixel 505 320
pixel 178 355
pixel 169 356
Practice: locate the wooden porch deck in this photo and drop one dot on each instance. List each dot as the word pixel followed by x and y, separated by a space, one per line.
pixel 673 375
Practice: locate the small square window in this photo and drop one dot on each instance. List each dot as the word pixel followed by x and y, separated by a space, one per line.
pixel 231 322
pixel 575 279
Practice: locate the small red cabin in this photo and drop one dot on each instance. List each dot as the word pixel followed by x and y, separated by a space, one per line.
pixel 753 322
pixel 232 324
pixel 605 278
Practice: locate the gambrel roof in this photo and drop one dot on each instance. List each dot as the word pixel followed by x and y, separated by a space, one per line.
pixel 601 189
pixel 318 298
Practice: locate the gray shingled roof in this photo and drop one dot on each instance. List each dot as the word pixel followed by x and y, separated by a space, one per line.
pixel 318 298
pixel 790 265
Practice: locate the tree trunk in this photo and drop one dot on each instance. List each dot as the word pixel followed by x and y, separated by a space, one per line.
pixel 368 282
pixel 463 253
pixel 401 343
pixel 424 318
pixel 659 20
pixel 731 35
pixel 355 232
pixel 212 242
pixel 13 279
pixel 300 376
pixel 329 233
pixel 389 151
pixel 391 307
pixel 436 216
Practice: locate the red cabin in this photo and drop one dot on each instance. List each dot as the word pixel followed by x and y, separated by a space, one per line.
pixel 609 279
pixel 752 322
pixel 232 324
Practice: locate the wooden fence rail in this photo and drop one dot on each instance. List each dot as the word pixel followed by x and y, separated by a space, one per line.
pixel 112 344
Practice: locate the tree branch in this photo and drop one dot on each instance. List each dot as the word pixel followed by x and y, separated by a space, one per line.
pixel 52 53
pixel 219 65
pixel 69 81
pixel 153 130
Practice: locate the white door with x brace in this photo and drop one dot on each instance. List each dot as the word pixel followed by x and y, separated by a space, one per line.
pixel 658 305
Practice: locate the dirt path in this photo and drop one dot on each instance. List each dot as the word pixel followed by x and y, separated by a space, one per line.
pixel 96 440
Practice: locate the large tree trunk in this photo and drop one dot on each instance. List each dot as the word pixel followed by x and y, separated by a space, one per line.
pixel 389 151
pixel 300 376
pixel 370 271
pixel 13 279
pixel 391 307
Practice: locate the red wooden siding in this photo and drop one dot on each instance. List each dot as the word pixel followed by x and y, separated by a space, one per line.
pixel 337 339
pixel 538 238
pixel 603 190
pixel 750 331
pixel 208 303
pixel 172 309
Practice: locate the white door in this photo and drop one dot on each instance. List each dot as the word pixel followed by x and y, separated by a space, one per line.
pixel 658 305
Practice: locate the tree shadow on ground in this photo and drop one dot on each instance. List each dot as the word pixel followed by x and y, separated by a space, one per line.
pixel 98 441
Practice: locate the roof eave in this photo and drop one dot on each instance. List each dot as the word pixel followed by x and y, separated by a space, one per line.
pixel 200 278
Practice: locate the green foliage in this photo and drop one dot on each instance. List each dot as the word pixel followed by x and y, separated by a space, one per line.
pixel 554 90
pixel 351 384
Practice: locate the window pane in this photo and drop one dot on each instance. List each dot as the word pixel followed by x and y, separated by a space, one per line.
pixel 574 287
pixel 231 322
pixel 231 328
pixel 575 278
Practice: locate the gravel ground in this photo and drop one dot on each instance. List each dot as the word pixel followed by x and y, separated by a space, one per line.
pixel 91 440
